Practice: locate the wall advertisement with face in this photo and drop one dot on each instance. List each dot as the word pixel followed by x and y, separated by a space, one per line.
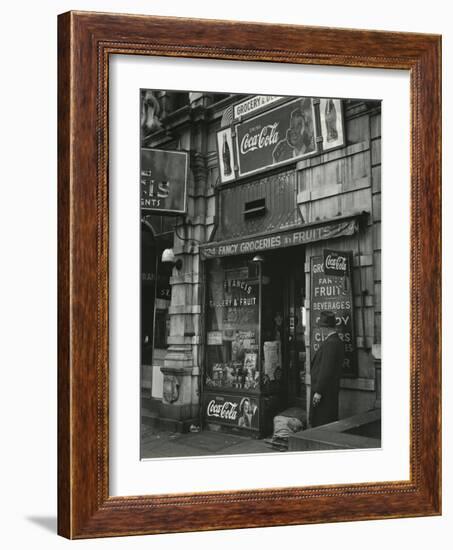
pixel 241 411
pixel 279 135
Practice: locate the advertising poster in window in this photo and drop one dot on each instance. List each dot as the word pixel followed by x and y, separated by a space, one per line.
pixel 232 330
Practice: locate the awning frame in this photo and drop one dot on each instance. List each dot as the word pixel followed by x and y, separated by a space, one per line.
pixel 229 244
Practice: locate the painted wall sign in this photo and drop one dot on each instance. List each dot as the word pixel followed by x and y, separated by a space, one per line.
pixel 253 104
pixel 163 181
pixel 301 235
pixel 332 123
pixel 233 410
pixel 333 293
pixel 279 135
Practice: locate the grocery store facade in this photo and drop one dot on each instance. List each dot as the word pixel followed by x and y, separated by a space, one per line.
pixel 280 220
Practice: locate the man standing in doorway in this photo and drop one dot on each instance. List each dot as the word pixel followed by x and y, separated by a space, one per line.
pixel 326 369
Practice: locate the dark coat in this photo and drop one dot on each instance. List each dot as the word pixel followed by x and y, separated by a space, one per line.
pixel 326 370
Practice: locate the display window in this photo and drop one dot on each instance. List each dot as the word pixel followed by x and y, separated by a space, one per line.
pixel 233 325
pixel 255 338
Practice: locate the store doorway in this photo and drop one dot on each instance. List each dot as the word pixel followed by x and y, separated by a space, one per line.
pixel 155 297
pixel 284 320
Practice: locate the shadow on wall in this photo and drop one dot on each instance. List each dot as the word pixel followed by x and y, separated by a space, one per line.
pixel 49 523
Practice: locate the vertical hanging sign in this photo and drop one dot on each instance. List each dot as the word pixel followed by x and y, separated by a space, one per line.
pixel 331 290
pixel 225 155
pixel 332 123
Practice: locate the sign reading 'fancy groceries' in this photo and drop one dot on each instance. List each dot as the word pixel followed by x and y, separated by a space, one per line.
pixel 163 181
pixel 279 135
pixel 281 239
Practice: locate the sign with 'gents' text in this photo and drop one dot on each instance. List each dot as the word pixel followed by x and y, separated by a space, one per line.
pixel 163 181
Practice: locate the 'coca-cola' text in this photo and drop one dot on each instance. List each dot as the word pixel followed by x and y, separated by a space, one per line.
pixel 338 263
pixel 226 410
pixel 266 137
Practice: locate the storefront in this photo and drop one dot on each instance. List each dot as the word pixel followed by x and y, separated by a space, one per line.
pixel 278 258
pixel 258 320
pixel 283 222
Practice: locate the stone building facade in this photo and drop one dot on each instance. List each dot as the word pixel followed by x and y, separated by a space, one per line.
pixel 260 233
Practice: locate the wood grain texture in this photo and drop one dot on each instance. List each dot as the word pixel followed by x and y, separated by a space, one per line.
pixel 85 42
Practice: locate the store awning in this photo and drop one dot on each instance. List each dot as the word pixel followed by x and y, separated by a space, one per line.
pixel 294 236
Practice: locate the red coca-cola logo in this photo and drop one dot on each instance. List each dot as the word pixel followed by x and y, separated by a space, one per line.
pixel 338 263
pixel 226 410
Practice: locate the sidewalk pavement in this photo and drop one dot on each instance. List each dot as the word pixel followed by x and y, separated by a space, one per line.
pixel 157 444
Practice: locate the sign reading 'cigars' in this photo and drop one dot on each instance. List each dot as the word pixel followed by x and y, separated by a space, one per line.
pixel 163 181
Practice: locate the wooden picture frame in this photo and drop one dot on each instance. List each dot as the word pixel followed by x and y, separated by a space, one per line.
pixel 86 40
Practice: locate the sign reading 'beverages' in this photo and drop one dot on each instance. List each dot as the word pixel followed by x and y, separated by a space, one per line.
pixel 163 181
pixel 333 293
pixel 284 133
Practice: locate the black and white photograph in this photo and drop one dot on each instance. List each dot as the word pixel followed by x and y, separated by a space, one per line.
pixel 225 287
pixel 260 273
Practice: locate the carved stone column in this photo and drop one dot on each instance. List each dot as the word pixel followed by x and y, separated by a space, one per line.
pixel 179 407
pixel 180 403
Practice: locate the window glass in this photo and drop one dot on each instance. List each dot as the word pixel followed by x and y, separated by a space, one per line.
pixel 232 329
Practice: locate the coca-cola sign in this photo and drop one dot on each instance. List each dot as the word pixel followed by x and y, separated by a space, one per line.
pixel 233 410
pixel 277 136
pixel 267 136
pixel 335 263
pixel 225 411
